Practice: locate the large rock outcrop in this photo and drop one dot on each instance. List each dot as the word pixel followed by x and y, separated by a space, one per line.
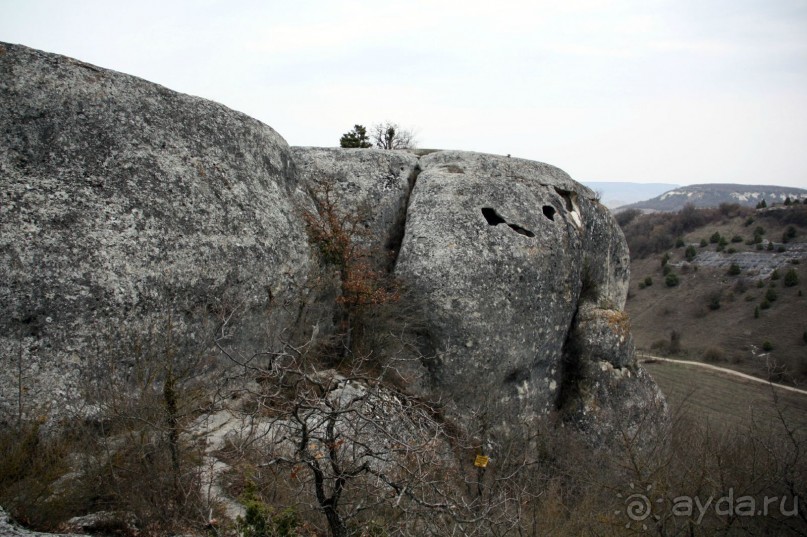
pixel 522 271
pixel 122 200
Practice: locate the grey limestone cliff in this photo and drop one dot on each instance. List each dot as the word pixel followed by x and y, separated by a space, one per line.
pixel 121 198
pixel 521 268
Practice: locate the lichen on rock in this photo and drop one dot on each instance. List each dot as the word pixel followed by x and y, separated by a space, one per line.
pixel 124 202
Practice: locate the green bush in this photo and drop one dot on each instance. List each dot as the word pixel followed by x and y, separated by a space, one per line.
pixel 671 280
pixel 736 238
pixel 790 233
pixel 791 278
pixel 764 305
pixel 666 269
pixel 664 259
pixel 734 269
pixel 259 520
pixel 704 243
pixel 690 253
pixel 648 281
pixel 715 238
pixel 756 312
pixel 679 242
pixel 771 295
pixel 767 346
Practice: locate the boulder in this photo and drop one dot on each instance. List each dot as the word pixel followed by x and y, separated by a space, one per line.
pixel 127 205
pixel 505 252
pixel 126 208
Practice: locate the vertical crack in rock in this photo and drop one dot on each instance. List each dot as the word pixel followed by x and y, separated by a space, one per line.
pixel 570 367
pixel 399 227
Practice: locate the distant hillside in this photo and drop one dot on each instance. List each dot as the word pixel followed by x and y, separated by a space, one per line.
pixel 717 284
pixel 617 193
pixel 712 195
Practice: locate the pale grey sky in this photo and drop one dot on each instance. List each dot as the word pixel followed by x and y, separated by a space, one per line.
pixel 673 91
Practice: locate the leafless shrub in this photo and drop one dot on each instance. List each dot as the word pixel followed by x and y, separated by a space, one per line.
pixel 714 354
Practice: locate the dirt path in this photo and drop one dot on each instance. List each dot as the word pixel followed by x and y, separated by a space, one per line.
pixel 648 357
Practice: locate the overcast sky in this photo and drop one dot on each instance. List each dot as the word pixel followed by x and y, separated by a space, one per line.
pixel 651 91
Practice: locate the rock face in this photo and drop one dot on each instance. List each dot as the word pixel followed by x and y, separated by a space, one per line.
pixel 372 184
pixel 505 252
pixel 123 202
pixel 9 529
pixel 121 198
pixel 490 244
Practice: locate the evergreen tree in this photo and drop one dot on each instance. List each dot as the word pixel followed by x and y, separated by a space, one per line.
pixel 355 138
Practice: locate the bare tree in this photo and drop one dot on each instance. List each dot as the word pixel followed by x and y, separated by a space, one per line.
pixel 390 135
pixel 335 425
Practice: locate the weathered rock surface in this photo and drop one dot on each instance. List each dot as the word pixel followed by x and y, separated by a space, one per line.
pixel 9 529
pixel 505 252
pixel 491 246
pixel 122 199
pixel 371 184
pixel 123 202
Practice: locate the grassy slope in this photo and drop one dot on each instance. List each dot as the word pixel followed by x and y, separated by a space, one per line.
pixel 732 329
pixel 724 400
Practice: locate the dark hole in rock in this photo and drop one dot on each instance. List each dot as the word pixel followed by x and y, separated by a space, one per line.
pixel 549 212
pixel 521 230
pixel 492 217
pixel 567 198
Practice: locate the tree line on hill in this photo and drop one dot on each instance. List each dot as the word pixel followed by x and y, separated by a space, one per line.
pixel 652 233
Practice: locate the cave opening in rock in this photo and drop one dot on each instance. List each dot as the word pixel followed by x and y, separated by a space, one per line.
pixel 549 212
pixel 494 219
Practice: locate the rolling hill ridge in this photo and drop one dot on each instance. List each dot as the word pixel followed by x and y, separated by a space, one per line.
pixel 712 195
